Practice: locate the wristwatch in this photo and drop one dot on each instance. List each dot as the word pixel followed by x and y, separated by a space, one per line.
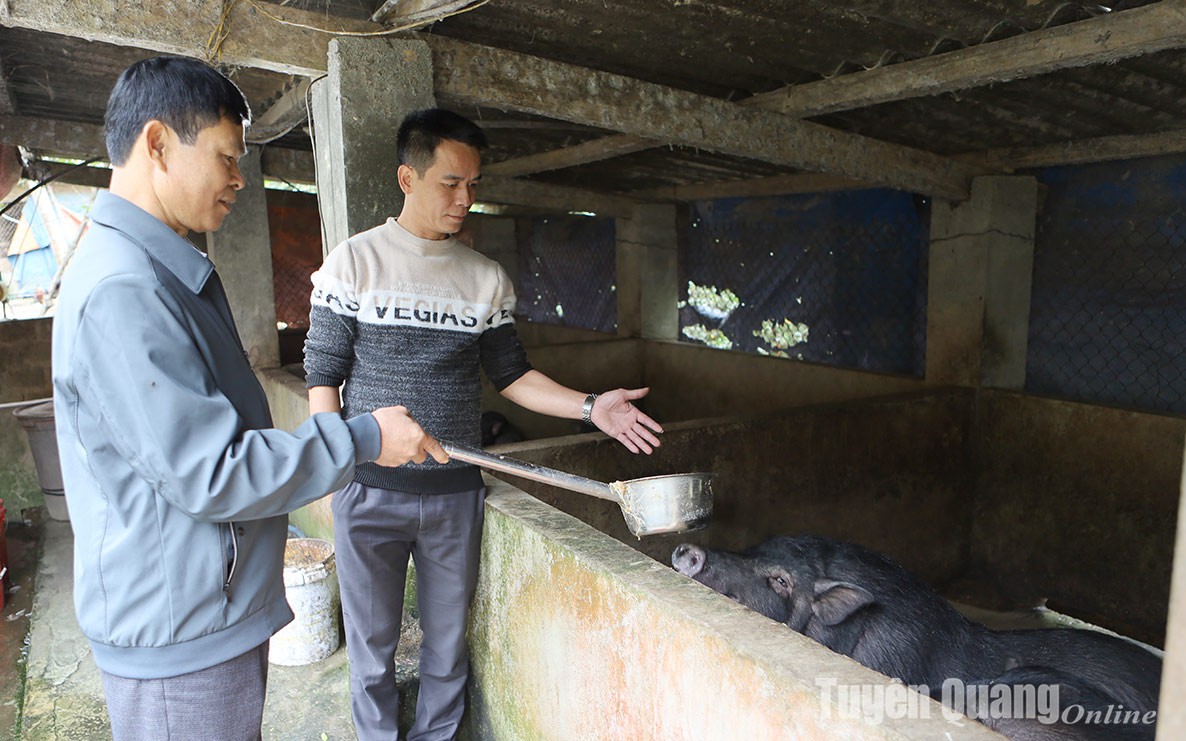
pixel 587 409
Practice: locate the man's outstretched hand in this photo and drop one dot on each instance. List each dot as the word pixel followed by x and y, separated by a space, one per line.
pixel 617 417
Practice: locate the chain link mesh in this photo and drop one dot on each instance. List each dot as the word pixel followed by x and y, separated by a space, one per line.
pixel 1108 303
pixel 292 282
pixel 567 271
pixel 294 226
pixel 837 278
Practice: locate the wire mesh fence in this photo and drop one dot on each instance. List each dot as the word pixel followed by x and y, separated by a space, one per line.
pixel 567 271
pixel 837 278
pixel 1108 304
pixel 294 226
pixel 291 282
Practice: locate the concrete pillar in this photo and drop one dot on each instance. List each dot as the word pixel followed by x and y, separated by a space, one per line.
pixel 978 299
pixel 628 281
pixel 242 252
pixel 357 108
pixel 647 269
pixel 1171 717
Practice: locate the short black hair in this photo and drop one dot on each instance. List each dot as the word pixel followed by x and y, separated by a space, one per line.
pixel 185 94
pixel 422 132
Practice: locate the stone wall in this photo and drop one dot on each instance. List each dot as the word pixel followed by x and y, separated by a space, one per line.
pixel 25 377
pixel 24 359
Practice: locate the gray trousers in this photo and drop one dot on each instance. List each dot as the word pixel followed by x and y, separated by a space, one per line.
pixel 224 702
pixel 375 531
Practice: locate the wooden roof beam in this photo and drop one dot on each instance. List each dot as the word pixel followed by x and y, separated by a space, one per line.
pixel 557 159
pixel 260 35
pixel 66 138
pixel 481 75
pixel 484 76
pixel 1081 152
pixel 515 192
pixel 776 185
pixel 1105 38
pixel 7 107
pixel 287 111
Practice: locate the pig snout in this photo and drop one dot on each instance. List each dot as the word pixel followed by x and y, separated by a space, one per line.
pixel 688 559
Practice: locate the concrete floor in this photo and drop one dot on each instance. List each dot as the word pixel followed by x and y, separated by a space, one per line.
pixel 62 695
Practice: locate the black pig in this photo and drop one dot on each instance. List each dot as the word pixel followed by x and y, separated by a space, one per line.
pixel 1083 713
pixel 497 429
pixel 732 574
pixel 866 606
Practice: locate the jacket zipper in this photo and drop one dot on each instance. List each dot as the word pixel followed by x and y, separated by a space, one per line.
pixel 232 559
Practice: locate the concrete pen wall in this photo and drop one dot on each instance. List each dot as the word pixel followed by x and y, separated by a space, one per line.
pixel 574 635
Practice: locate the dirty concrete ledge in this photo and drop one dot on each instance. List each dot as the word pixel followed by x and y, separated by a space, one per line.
pixel 577 635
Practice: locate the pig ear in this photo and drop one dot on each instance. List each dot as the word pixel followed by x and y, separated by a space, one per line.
pixel 836 601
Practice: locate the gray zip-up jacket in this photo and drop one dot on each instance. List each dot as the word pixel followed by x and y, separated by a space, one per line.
pixel 177 486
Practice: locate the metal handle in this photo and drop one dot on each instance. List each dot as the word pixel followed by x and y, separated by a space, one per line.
pixel 545 475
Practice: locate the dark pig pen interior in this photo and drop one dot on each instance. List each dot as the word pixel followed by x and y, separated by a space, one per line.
pixel 1001 500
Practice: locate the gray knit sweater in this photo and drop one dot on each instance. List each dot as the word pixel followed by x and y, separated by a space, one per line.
pixel 405 320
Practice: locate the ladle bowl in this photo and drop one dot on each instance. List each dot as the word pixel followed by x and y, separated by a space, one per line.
pixel 653 505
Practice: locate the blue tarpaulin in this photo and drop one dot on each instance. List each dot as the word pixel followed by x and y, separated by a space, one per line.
pixel 32 270
pixel 850 267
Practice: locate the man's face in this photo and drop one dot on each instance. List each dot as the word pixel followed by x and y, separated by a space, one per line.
pixel 198 182
pixel 437 200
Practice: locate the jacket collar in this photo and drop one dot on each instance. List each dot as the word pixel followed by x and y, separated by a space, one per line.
pixel 188 263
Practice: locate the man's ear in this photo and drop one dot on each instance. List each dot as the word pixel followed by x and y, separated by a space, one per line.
pixel 405 175
pixel 155 138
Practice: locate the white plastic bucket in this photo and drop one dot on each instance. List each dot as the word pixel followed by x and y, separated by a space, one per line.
pixel 38 420
pixel 311 587
pixel 55 505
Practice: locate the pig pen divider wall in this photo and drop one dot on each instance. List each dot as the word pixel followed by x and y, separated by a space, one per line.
pixel 581 630
pixel 576 635
pixel 1000 499
pixel 890 474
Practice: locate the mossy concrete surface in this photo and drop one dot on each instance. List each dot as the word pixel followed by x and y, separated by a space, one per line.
pixel 63 692
pixel 576 635
pixel 19 487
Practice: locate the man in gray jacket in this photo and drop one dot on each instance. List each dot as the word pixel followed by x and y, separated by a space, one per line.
pixel 177 485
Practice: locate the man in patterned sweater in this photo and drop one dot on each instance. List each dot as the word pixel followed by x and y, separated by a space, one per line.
pixel 405 314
